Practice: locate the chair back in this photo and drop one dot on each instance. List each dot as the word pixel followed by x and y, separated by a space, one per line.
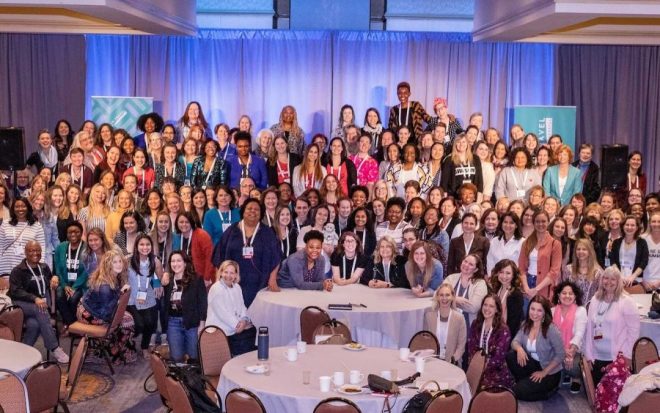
pixel 213 351
pixel 424 340
pixel 635 289
pixel 333 328
pixel 6 333
pixel 243 401
pixel 118 316
pixel 645 402
pixel 75 366
pixel 588 381
pixel 159 369
pixel 475 371
pixel 43 386
pixel 489 397
pixel 336 405
pixel 4 284
pixel 445 401
pixel 310 318
pixel 14 393
pixel 180 400
pixel 644 353
pixel 12 317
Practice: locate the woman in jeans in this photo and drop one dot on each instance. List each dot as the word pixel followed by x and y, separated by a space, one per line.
pixel 185 301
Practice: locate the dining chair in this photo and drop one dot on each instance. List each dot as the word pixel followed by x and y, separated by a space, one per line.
pixel 644 353
pixel 72 376
pixel 336 405
pixel 14 393
pixel 445 401
pixel 475 371
pixel 12 317
pixel 491 396
pixel 635 289
pixel 214 352
pixel 310 318
pixel 424 340
pixel 243 401
pixel 6 333
pixel 588 381
pixel 4 284
pixel 333 328
pixel 179 396
pixel 159 368
pixel 645 402
pixel 43 383
pixel 101 334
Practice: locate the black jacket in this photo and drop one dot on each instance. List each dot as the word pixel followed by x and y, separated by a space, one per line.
pixel 591 183
pixel 23 286
pixel 397 273
pixel 641 254
pixel 294 160
pixel 193 302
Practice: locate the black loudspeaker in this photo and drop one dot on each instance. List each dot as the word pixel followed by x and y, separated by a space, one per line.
pixel 12 148
pixel 614 166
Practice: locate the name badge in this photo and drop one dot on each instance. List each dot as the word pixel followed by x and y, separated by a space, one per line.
pixel 142 296
pixel 598 334
pixel 467 181
pixel 176 296
pixel 72 276
pixel 203 187
pixel 520 193
pixel 225 227
pixel 248 252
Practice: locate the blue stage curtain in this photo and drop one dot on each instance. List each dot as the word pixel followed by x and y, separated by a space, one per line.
pixel 231 72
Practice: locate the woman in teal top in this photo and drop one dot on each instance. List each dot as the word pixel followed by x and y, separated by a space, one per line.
pixel 217 220
pixel 72 274
pixel 563 180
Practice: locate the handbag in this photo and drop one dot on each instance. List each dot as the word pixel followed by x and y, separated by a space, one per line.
pixel 419 402
pixel 611 385
pixel 655 301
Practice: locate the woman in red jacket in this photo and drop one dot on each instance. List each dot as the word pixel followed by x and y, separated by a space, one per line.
pixel 196 243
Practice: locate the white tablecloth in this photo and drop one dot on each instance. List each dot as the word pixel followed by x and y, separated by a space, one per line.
pixel 648 328
pixel 283 391
pixel 18 357
pixel 392 316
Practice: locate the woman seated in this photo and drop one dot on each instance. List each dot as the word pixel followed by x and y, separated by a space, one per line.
pixel 227 310
pixel 29 288
pixel 304 270
pixel 348 261
pixel 505 282
pixel 424 272
pixel 489 333
pixel 570 317
pixel 470 287
pixel 538 353
pixel 73 275
pixel 185 301
pixel 386 269
pixel 447 324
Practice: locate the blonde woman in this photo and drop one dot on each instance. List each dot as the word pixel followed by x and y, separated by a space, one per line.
pixel 447 324
pixel 424 272
pixel 95 214
pixel 63 180
pixel 386 269
pixel 461 168
pixel 584 270
pixel 227 310
pixel 125 202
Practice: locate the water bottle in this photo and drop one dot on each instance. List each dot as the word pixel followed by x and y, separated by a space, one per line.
pixel 262 344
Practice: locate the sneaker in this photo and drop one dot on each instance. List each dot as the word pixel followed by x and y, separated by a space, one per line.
pixel 152 341
pixel 566 380
pixel 575 387
pixel 60 355
pixel 163 339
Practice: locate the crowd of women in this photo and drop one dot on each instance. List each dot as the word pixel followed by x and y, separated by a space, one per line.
pixel 510 237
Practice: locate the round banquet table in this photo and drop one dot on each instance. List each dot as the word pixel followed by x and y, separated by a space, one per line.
pixel 18 357
pixel 648 327
pixel 282 390
pixel 391 317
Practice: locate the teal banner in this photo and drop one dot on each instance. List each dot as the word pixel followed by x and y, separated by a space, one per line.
pixel 545 121
pixel 122 112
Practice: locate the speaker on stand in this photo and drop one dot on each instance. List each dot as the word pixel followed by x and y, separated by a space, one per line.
pixel 12 151
pixel 614 170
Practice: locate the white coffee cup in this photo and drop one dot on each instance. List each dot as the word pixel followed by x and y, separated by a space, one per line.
pixel 355 377
pixel 404 353
pixel 301 346
pixel 291 354
pixel 386 374
pixel 338 378
pixel 419 364
pixel 324 383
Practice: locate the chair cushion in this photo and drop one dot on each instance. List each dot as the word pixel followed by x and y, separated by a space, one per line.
pixel 90 330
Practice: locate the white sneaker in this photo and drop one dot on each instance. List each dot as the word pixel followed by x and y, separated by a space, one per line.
pixel 163 339
pixel 152 341
pixel 60 355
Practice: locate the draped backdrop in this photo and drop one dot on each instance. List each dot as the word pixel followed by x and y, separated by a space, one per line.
pixel 233 72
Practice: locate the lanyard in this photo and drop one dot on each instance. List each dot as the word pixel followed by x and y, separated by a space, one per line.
pixel 270 222
pixel 386 271
pixel 362 161
pixel 286 250
pixel 246 168
pixel 139 275
pixel 224 157
pixel 331 171
pixel 173 170
pixel 73 264
pixel 352 269
pixel 407 115
pixel 189 242
pixel 245 240
pixel 176 288
pixel 37 279
pixel 162 253
pixel 364 238
pixel 223 219
pixel 143 179
pixel 445 326
pixel 483 341
pixel 297 225
pixel 515 180
pixel 82 175
pixel 208 175
pixel 465 292
pixel 281 172
pixel 468 246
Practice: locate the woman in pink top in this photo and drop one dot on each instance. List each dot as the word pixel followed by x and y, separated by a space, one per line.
pixel 612 323
pixel 366 166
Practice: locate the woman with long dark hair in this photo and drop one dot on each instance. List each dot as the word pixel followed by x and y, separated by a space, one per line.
pixel 360 223
pixel 16 232
pixel 505 282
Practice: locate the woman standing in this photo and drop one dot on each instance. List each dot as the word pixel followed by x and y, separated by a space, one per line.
pixel 461 168
pixel 469 242
pixel 490 334
pixel 218 220
pixel 169 167
pixel 192 116
pixel 124 203
pixel 540 259
pixel 390 170
pixel 309 174
pixel 270 200
pixel 434 234
pixel 285 232
pixel 96 213
pixel 340 165
pixel 373 127
pixel 227 310
pixel 289 129
pixel 563 180
pixel 447 324
pixel 543 157
pixel 433 168
pixel 185 301
pixel 17 232
pixel 362 226
pixel 470 287
pixel 636 177
pixel 507 244
pixel 410 169
pixel 538 354
pixel 651 279
pixel 450 216
pixel 226 149
pixel 612 323
pixel 487 169
pixel 130 227
pixel 584 272
pixel 264 144
pixel 366 167
pixel 505 282
pixel 394 226
pixel 631 252
pixel 144 173
pixel 149 124
pixel 281 162
pixel 517 180
pixel 209 170
pixel 195 242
